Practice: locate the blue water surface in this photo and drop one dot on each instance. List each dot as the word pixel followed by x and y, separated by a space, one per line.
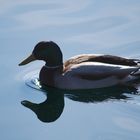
pixel 81 26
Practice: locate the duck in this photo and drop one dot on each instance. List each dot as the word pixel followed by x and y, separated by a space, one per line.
pixel 84 71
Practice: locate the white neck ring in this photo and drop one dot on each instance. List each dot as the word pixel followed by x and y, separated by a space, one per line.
pixel 53 67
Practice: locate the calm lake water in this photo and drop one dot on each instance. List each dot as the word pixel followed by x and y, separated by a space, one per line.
pixel 81 26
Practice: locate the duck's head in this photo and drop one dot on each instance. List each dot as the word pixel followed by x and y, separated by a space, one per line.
pixel 46 51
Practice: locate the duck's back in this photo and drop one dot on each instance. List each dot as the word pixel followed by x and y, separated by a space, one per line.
pixel 108 59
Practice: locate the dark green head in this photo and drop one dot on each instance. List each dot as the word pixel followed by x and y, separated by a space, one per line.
pixel 47 51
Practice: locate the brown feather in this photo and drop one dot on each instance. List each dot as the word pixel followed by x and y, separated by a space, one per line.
pixel 110 59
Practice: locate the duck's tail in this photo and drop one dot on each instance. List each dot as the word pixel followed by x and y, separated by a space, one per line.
pixel 137 61
pixel 136 72
pixel 133 78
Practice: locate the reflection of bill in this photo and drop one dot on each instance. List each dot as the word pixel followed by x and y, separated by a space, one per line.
pixel 51 109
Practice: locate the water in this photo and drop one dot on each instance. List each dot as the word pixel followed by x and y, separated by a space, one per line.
pixel 82 26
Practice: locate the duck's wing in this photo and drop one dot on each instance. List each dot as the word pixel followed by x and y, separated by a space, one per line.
pixel 109 59
pixel 97 70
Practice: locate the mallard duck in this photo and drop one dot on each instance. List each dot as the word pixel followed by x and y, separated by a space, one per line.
pixel 85 71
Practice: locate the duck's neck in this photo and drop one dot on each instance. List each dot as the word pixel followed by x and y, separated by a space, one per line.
pixel 47 74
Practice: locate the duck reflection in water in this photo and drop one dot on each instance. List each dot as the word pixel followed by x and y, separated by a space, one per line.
pixel 51 109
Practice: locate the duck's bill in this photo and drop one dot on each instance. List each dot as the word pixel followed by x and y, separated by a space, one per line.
pixel 28 60
pixel 26 103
